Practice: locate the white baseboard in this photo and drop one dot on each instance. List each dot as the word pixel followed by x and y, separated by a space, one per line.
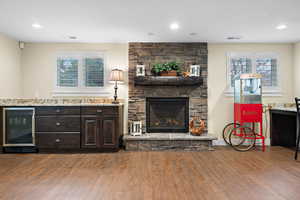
pixel 220 142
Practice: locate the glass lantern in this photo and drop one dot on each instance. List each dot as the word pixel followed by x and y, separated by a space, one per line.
pixel 247 89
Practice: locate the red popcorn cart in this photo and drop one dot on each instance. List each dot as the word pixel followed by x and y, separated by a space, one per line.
pixel 247 129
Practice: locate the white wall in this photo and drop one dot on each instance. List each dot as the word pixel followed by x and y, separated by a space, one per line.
pixel 39 66
pixel 220 106
pixel 10 68
pixel 296 69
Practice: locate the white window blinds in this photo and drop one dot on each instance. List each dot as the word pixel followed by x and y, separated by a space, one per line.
pixel 239 66
pixel 80 71
pixel 67 72
pixel 94 72
pixel 267 67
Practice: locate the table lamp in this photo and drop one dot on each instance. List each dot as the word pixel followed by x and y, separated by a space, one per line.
pixel 116 75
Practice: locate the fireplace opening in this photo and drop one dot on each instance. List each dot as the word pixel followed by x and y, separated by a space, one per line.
pixel 167 115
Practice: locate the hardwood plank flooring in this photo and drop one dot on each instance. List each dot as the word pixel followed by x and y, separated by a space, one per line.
pixel 221 174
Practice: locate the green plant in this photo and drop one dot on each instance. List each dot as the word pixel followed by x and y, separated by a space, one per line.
pixel 174 66
pixel 164 67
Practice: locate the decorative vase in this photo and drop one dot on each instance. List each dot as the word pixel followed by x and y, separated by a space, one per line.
pixel 169 73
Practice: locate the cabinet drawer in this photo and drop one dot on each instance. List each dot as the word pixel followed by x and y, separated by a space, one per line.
pixel 58 124
pixel 45 140
pixel 101 110
pixel 58 110
pixel 58 140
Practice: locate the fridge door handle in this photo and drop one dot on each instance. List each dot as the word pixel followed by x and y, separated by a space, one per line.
pixel 33 126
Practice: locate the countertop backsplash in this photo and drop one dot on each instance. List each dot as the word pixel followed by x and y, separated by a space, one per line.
pixel 58 102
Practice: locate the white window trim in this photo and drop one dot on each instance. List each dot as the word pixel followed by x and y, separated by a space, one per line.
pixel 81 90
pixel 266 91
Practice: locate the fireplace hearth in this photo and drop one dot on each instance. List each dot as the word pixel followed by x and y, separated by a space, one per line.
pixel 167 115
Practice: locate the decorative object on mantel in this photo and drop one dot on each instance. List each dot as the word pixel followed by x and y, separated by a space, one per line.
pixel 195 70
pixel 136 128
pixel 197 130
pixel 168 81
pixel 116 75
pixel 166 69
pixel 140 70
pixel 186 74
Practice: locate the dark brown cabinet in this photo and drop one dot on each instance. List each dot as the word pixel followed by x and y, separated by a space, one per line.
pixel 90 132
pixel 60 123
pixel 57 127
pixel 58 140
pixel 101 128
pixel 283 125
pixel 79 128
pixel 108 138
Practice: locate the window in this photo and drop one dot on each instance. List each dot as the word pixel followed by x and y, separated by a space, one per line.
pixel 265 64
pixel 67 72
pixel 239 66
pixel 80 73
pixel 267 67
pixel 94 72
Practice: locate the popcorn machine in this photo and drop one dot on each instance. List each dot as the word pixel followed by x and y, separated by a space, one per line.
pixel 248 107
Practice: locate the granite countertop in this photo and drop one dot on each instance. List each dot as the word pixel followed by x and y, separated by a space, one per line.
pixel 59 102
pixel 291 109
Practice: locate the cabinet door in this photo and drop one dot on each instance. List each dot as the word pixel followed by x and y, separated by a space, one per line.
pixel 108 134
pixel 90 129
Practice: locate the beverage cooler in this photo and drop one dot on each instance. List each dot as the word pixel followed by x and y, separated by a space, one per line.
pixel 18 129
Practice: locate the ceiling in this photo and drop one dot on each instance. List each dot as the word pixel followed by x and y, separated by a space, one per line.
pixel 133 20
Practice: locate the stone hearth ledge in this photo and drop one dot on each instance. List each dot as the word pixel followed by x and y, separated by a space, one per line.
pixel 169 136
pixel 168 141
pixel 59 102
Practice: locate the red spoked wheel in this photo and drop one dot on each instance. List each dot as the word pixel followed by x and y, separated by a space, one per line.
pixel 227 130
pixel 242 138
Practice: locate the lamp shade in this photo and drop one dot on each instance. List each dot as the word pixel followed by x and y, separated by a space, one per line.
pixel 116 75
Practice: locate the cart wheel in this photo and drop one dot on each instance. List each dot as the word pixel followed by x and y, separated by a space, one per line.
pixel 242 138
pixel 227 130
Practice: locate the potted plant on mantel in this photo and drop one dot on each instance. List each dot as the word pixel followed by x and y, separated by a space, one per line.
pixel 166 69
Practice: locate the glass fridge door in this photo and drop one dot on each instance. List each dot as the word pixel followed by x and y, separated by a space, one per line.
pixel 19 127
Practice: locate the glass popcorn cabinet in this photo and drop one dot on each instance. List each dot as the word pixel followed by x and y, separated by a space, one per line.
pixel 248 107
pixel 247 89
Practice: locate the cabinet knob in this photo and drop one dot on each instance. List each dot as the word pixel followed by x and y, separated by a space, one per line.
pixel 57 110
pixel 57 124
pixel 57 140
pixel 99 111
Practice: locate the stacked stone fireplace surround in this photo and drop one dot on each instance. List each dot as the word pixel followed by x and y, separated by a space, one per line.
pixel 148 54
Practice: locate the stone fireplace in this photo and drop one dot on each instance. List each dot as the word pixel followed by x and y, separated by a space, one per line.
pixel 151 101
pixel 151 53
pixel 167 115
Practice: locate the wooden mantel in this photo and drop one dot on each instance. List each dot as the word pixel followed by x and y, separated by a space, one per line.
pixel 168 81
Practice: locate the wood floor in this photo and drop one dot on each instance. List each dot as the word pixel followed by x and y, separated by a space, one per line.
pixel 221 174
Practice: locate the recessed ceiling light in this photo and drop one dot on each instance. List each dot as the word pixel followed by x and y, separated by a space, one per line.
pixel 174 26
pixel 193 34
pixel 281 27
pixel 234 38
pixel 72 37
pixel 36 26
pixel 151 34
